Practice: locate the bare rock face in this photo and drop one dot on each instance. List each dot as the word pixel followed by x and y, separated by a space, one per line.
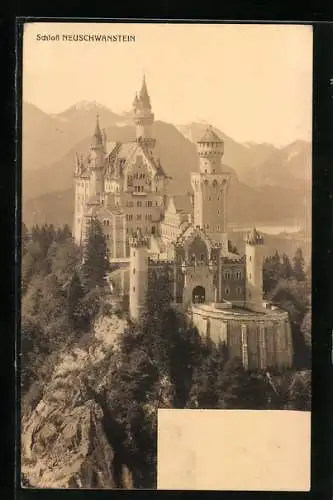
pixel 63 440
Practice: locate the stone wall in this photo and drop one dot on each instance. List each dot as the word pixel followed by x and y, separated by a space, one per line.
pixel 261 340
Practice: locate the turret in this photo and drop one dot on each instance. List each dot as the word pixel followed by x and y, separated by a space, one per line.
pixel 143 117
pixel 138 281
pixel 254 251
pixel 210 150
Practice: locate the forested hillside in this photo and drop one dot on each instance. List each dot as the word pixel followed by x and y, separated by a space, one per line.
pixel 81 393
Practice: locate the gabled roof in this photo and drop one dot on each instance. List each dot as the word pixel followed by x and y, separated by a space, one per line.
pixel 192 232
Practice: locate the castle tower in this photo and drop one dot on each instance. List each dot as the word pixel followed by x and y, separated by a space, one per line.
pixel 143 117
pixel 254 251
pixel 138 280
pixel 96 156
pixel 81 193
pixel 210 186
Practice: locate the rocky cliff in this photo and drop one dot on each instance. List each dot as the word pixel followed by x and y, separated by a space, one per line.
pixel 64 443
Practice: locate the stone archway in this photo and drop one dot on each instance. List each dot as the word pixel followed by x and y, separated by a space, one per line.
pixel 198 295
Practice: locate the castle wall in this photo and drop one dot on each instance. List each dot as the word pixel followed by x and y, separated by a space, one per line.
pixel 81 195
pixel 260 340
pixel 232 282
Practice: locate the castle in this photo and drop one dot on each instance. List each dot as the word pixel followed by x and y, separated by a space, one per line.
pixel 124 186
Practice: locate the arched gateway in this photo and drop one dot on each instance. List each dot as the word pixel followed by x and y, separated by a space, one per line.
pixel 198 295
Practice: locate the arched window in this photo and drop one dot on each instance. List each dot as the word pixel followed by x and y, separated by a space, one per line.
pixel 227 290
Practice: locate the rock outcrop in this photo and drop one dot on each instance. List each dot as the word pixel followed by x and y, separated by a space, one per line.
pixel 63 442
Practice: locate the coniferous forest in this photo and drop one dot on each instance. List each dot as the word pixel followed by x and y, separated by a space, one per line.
pixel 161 362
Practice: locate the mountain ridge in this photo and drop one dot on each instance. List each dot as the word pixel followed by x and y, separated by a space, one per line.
pixel 50 144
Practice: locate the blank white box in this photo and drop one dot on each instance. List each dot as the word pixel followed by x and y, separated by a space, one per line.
pixel 234 450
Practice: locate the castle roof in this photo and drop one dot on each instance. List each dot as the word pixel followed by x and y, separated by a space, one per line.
pixel 254 238
pixel 191 232
pixel 98 136
pixel 144 97
pixel 210 136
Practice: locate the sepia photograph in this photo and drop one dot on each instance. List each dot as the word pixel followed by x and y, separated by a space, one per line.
pixel 165 254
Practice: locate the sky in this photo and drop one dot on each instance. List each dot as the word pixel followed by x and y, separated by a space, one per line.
pixel 253 82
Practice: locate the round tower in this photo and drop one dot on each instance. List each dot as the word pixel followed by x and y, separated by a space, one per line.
pixel 210 150
pixel 210 188
pixel 138 281
pixel 96 161
pixel 143 117
pixel 254 251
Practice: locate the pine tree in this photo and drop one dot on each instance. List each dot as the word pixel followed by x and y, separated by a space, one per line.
pixel 75 293
pixel 95 264
pixel 271 272
pixel 298 268
pixel 286 267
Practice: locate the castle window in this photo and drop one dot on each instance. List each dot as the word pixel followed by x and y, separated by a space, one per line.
pixel 218 212
pixel 218 227
pixel 227 275
pixel 250 258
pixel 139 217
pixel 133 289
pixel 139 204
pixel 227 290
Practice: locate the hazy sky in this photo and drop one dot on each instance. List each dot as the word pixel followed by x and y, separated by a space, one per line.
pixel 254 82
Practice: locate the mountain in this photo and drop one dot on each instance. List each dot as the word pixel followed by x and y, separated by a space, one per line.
pixel 242 157
pixel 51 141
pixel 47 138
pixel 290 165
pixel 261 164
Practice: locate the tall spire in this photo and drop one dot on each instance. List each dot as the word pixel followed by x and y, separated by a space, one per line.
pixel 144 97
pixel 98 136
